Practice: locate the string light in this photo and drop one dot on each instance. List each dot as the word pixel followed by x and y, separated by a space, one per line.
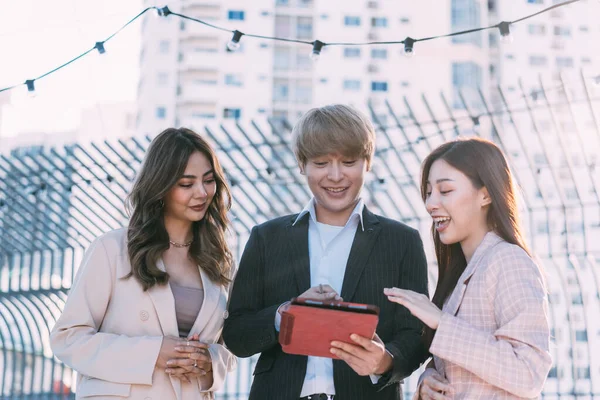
pixel 505 36
pixel 163 12
pixel 100 47
pixel 317 45
pixel 30 87
pixel 409 44
pixel 476 124
pixel 234 43
pixel 316 50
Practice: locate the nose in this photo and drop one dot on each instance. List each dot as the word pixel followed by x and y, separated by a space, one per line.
pixel 334 173
pixel 201 191
pixel 432 203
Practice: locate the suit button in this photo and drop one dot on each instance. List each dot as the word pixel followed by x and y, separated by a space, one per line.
pixel 144 317
pixel 225 314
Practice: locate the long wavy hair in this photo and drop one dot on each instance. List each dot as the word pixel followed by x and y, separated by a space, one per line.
pixel 485 166
pixel 147 237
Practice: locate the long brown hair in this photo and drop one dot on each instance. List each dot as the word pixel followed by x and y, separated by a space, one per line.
pixel 485 166
pixel 147 237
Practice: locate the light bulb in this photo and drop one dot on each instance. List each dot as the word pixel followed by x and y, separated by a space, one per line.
pixel 100 47
pixel 316 50
pixel 409 47
pixel 234 43
pixel 505 36
pixel 162 12
pixel 31 87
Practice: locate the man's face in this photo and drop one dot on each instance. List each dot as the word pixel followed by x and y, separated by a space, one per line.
pixel 336 182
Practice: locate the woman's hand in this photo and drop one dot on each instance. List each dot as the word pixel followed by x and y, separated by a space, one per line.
pixel 418 304
pixel 193 360
pixel 167 350
pixel 434 386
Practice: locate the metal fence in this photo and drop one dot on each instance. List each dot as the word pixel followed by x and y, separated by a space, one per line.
pixel 55 200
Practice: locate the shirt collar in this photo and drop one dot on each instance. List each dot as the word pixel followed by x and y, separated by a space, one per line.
pixel 310 209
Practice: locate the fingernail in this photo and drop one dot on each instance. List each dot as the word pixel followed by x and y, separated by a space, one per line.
pixel 353 337
pixel 332 351
pixel 178 349
pixel 169 362
pixel 168 371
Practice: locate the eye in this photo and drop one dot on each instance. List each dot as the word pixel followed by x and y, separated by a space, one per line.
pixel 320 163
pixel 185 185
pixel 427 194
pixel 350 163
pixel 445 191
pixel 210 181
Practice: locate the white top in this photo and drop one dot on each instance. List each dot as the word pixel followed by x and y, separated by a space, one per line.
pixel 328 247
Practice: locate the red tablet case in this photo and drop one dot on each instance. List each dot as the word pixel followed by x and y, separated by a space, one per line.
pixel 308 327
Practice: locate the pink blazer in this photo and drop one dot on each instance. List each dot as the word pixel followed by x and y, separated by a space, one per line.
pixel 494 336
pixel 111 331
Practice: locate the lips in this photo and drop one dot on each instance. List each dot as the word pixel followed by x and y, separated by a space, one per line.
pixel 199 207
pixel 441 223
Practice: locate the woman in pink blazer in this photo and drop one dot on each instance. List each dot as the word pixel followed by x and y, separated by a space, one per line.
pixel 487 326
pixel 144 316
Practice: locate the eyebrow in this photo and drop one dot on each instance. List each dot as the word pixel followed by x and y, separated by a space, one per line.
pixel 194 176
pixel 442 180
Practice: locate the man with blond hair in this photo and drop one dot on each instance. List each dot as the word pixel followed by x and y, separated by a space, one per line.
pixel 333 249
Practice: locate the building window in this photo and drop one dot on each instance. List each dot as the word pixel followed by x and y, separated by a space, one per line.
pixel 584 29
pixel 536 29
pixel 351 52
pixel 466 79
pixel 232 113
pixel 466 14
pixel 493 39
pixel 234 80
pixel 564 62
pixel 379 22
pixel 281 91
pixel 163 46
pixel 161 112
pixel 304 28
pixel 235 15
pixel 581 336
pixel 351 21
pixel 535 1
pixel 351 84
pixel 538 60
pixel 377 86
pixel 379 53
pixel 303 93
pixel 162 78
pixel 282 2
pixel 564 31
pixel 405 20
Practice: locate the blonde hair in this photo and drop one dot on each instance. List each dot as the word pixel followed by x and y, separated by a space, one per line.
pixel 331 129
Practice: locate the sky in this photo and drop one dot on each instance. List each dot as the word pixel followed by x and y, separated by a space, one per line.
pixel 39 35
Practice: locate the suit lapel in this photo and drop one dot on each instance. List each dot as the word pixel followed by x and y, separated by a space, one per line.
pixel 209 303
pixel 363 244
pixel 164 304
pixel 453 304
pixel 297 252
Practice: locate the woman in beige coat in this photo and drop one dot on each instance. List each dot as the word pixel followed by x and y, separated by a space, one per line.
pixel 487 326
pixel 144 316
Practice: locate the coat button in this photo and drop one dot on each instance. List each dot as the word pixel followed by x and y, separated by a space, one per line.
pixel 144 315
pixel 225 314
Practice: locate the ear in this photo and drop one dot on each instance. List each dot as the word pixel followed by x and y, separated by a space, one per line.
pixel 486 199
pixel 301 166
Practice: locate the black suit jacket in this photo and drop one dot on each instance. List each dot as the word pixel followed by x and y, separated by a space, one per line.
pixel 275 267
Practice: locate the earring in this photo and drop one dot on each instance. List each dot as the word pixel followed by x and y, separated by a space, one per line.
pixel 161 203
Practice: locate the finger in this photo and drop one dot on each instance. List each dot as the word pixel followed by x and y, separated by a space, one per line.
pixel 178 370
pixel 194 337
pixel 349 358
pixel 433 394
pixel 191 347
pixel 355 350
pixel 397 299
pixel 180 362
pixel 394 291
pixel 362 341
pixel 437 384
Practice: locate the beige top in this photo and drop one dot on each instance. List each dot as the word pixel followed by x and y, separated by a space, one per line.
pixel 188 302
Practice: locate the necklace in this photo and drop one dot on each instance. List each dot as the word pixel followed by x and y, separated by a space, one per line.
pixel 181 244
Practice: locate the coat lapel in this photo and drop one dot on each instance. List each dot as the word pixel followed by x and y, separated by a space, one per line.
pixel 209 303
pixel 297 252
pixel 363 244
pixel 453 304
pixel 164 304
